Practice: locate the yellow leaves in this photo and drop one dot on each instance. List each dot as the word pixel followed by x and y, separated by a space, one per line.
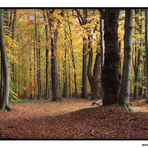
pixel 12 48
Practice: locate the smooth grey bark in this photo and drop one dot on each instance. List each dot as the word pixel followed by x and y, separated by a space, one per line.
pixel 111 75
pixel 4 100
pixel 102 40
pixel 124 96
pixel 93 72
pixel 146 47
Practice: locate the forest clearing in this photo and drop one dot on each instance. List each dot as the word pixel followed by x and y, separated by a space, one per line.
pixel 74 73
pixel 73 119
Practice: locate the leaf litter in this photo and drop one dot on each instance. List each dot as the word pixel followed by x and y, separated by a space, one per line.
pixel 72 119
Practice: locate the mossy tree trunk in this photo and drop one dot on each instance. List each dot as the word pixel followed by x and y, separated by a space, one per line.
pixel 124 96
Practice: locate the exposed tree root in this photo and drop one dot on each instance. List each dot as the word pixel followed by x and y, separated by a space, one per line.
pixel 127 107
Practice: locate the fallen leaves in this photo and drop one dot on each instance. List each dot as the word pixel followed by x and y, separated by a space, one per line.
pixel 71 119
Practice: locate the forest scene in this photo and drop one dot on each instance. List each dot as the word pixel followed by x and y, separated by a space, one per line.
pixel 74 73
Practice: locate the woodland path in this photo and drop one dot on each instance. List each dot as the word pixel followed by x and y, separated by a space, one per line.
pixel 73 119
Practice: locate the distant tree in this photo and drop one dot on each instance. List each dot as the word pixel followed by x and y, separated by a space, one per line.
pixel 47 56
pixel 82 17
pixel 72 56
pixel 124 96
pixel 37 46
pixel 65 74
pixel 137 51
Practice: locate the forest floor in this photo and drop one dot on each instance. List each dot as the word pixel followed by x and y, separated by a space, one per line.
pixel 73 119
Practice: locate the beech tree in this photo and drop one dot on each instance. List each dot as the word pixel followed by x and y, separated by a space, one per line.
pixel 124 96
pixel 146 46
pixel 82 17
pixel 93 71
pixel 4 99
pixel 37 46
pixel 111 76
pixel 53 26
pixel 47 56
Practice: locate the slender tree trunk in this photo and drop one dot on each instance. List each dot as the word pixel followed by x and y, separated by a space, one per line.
pixel 102 48
pixel 13 24
pixel 37 39
pixel 73 61
pixel 82 18
pixel 4 100
pixel 124 96
pixel 84 69
pixel 65 76
pixel 146 46
pixel 102 41
pixel 69 77
pixel 93 77
pixel 111 75
pixel 47 59
pixel 65 88
pixel 34 69
pixel 136 73
pixel 30 71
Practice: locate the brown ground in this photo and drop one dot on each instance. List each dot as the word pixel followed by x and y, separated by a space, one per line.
pixel 75 119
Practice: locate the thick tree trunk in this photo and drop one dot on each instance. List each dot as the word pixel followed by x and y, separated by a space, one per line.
pixel 124 96
pixel 146 47
pixel 56 95
pixel 4 100
pixel 111 75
